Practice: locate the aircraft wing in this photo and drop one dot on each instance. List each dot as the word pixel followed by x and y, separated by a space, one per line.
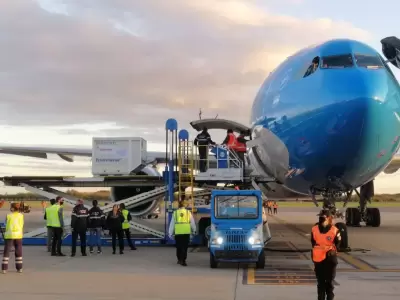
pixel 394 165
pixel 65 153
pixel 68 154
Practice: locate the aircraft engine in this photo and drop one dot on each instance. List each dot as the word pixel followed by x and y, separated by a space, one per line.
pixel 141 209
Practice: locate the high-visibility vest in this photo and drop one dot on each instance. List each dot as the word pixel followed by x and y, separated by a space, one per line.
pixel 324 242
pixel 182 221
pixel 14 226
pixel 53 216
pixel 126 224
pixel 232 141
pixel 48 218
pixel 240 147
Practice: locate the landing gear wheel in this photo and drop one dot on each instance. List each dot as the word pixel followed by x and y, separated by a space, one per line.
pixel 213 262
pixel 373 217
pixel 344 243
pixel 260 264
pixel 353 217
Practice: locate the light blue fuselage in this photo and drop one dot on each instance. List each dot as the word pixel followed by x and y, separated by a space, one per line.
pixel 341 125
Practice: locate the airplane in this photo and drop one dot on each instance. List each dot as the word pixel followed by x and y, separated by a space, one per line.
pixel 324 122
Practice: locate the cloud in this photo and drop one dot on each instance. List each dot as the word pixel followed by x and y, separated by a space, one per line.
pixel 140 62
pixel 122 67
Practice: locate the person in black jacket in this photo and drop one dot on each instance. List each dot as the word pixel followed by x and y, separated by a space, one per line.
pixel 114 224
pixel 203 140
pixel 96 224
pixel 79 225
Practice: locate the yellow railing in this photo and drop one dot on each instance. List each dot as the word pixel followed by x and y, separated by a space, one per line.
pixel 185 170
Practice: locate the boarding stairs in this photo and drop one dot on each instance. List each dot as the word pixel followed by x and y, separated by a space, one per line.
pixel 186 170
pixel 129 203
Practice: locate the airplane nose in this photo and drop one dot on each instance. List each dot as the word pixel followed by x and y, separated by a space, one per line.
pixel 365 125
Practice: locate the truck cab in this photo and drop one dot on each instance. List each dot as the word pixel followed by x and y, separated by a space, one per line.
pixel 237 229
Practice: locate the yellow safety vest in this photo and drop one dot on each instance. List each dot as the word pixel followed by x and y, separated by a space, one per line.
pixel 53 216
pixel 126 224
pixel 47 212
pixel 182 221
pixel 14 226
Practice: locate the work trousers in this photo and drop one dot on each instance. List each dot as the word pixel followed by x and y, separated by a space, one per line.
pixel 8 245
pixel 325 271
pixel 50 232
pixel 57 240
pixel 203 153
pixel 120 235
pixel 128 237
pixel 182 245
pixel 269 210
pixel 82 238
pixel 95 238
pixel 275 211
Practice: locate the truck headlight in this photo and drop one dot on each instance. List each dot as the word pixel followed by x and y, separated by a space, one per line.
pixel 252 240
pixel 220 240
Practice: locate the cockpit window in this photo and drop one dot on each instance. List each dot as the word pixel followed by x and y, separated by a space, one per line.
pixel 337 61
pixel 368 61
pixel 313 67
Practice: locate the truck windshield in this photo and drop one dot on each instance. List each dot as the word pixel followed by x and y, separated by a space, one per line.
pixel 236 207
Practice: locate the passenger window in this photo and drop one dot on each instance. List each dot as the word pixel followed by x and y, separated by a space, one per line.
pixel 368 61
pixel 313 67
pixel 337 61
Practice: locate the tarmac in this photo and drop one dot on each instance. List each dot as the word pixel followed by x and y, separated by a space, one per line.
pixel 370 271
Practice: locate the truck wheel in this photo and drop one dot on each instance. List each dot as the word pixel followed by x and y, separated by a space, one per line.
pixel 156 217
pixel 260 264
pixel 213 262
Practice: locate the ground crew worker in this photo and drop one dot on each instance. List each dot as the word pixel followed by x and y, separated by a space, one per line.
pixel 50 229
pixel 44 205
pixel 56 215
pixel 96 224
pixel 182 224
pixel 13 238
pixel 79 225
pixel 230 139
pixel 325 240
pixel 275 206
pixel 126 225
pixel 114 224
pixel 202 141
pixel 269 206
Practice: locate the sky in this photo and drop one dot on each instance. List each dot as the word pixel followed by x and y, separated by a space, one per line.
pixel 71 70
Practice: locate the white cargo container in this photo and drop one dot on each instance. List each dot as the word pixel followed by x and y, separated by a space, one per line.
pixel 117 155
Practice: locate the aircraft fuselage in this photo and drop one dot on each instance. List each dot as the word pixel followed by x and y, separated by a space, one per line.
pixel 340 123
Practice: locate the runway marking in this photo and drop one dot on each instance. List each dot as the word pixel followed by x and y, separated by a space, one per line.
pixel 357 262
pixel 282 277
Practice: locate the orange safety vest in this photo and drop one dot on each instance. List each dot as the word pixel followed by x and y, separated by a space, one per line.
pixel 240 147
pixel 324 243
pixel 269 204
pixel 232 141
